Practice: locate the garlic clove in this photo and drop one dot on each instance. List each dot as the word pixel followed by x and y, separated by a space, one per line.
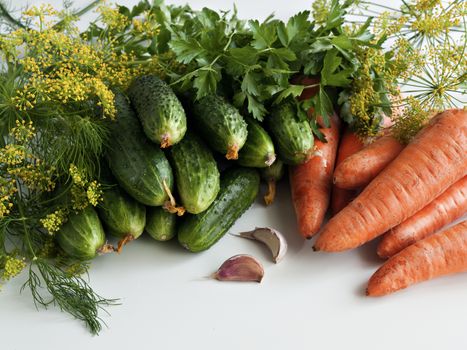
pixel 244 268
pixel 272 238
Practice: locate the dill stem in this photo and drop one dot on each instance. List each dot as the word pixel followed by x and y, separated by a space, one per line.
pixel 81 12
pixel 380 5
pixel 4 12
pixel 23 219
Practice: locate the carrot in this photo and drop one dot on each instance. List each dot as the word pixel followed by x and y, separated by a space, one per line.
pixel 362 167
pixel 437 255
pixel 311 182
pixel 433 161
pixel 446 208
pixel 349 144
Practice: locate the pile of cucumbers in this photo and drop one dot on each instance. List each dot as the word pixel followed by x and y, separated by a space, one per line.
pixel 160 149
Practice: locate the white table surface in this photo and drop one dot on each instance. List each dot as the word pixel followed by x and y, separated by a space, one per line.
pixel 308 301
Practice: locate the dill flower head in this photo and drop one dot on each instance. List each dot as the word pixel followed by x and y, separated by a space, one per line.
pixel 94 193
pixel 83 191
pixel 63 68
pixel 12 267
pixel 411 120
pixel 112 18
pixel 52 222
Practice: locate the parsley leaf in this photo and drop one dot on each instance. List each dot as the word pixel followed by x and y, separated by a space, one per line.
pixel 329 74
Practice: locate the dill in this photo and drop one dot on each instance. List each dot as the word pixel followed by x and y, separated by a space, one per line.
pixel 70 292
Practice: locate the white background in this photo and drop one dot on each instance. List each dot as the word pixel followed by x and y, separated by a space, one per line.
pixel 308 301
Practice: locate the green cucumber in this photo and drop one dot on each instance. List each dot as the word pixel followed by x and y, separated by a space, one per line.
pixel 161 113
pixel 82 236
pixel 139 165
pixel 121 214
pixel 293 137
pixel 274 172
pixel 220 124
pixel 160 224
pixel 258 150
pixel 196 173
pixel 271 175
pixel 239 188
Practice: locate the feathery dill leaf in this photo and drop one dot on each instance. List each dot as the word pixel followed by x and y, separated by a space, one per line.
pixel 70 292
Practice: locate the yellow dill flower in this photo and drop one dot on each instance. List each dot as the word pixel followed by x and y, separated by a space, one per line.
pixel 7 191
pixel 407 60
pixel 12 155
pixel 433 26
pixel 79 198
pixel 320 10
pixel 147 26
pixel 412 118
pixel 10 45
pixel 52 222
pixel 23 131
pixel 41 14
pixel 62 67
pixel 77 176
pixel 12 267
pixel 112 18
pixel 94 193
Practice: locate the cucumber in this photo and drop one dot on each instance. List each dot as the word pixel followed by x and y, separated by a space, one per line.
pixel 220 124
pixel 293 137
pixel 139 165
pixel 161 113
pixel 258 150
pixel 82 236
pixel 196 173
pixel 121 214
pixel 271 175
pixel 274 172
pixel 160 224
pixel 239 187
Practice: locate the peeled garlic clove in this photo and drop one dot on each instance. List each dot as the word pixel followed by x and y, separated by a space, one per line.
pixel 272 238
pixel 241 267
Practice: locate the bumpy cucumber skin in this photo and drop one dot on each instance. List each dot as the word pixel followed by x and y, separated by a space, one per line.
pixel 121 214
pixel 258 150
pixel 82 235
pixel 293 138
pixel 161 113
pixel 274 172
pixel 139 165
pixel 220 124
pixel 239 188
pixel 196 173
pixel 160 224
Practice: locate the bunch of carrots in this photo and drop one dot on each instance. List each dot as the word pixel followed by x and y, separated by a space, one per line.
pixel 405 193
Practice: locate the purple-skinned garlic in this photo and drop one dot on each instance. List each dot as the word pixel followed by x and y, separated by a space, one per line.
pixel 243 268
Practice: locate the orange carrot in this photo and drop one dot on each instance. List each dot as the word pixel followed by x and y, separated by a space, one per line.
pixel 433 161
pixel 311 182
pixel 362 167
pixel 446 208
pixel 349 144
pixel 437 255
